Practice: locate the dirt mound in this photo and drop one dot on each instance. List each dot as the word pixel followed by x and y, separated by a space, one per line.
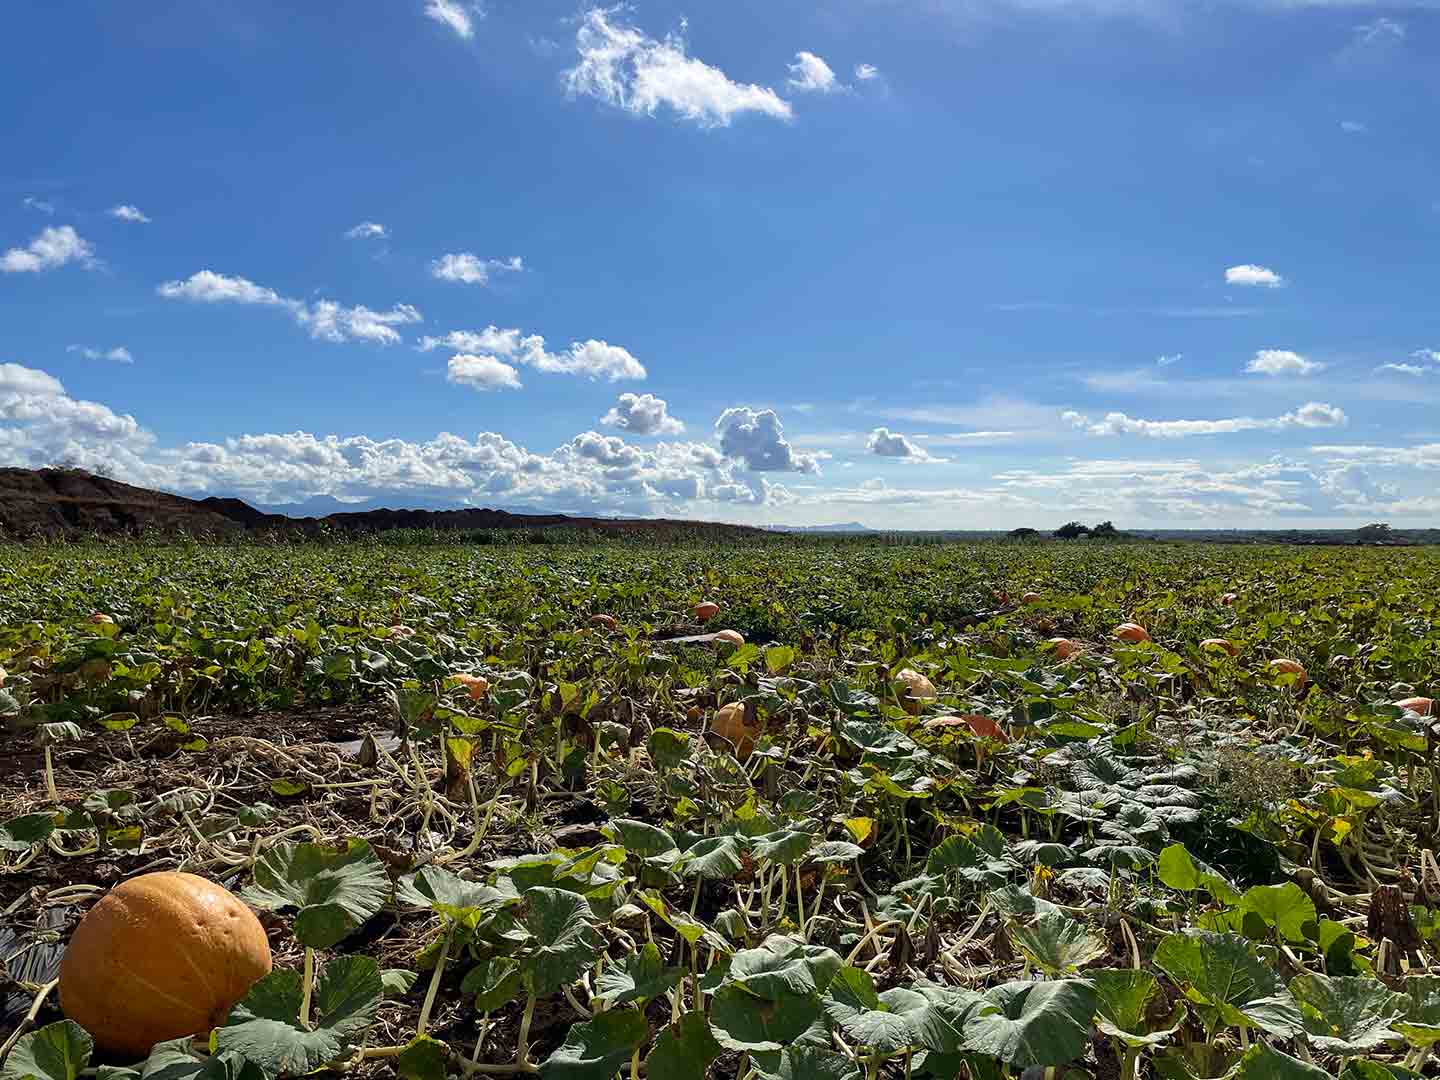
pixel 72 502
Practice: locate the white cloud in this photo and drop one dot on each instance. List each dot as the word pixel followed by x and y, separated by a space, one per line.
pixel 1311 415
pixel 593 359
pixel 482 373
pixel 642 414
pixel 126 212
pixel 866 72
pixel 624 67
pixel 1432 355
pixel 1353 127
pixel 810 74
pixel 30 202
pixel 758 439
pixel 1404 369
pixel 51 249
pixel 1423 456
pixel 456 16
pixel 885 443
pixel 326 320
pixel 973 436
pixel 1281 362
pixel 1381 31
pixel 1251 275
pixel 1169 359
pixel 470 269
pixel 119 353
pixel 368 230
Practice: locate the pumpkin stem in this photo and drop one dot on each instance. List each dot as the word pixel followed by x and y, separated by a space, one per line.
pixel 435 978
pixel 309 987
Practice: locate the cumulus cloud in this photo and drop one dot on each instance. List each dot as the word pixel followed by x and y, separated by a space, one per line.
pixel 326 320
pixel 885 443
pixel 866 72
pixel 469 269
pixel 53 248
pixel 626 68
pixel 758 439
pixel 592 359
pixel 482 373
pixel 1281 362
pixel 1311 415
pixel 458 17
pixel 119 353
pixel 1251 275
pixel 642 414
pixel 367 230
pixel 809 74
pixel 126 212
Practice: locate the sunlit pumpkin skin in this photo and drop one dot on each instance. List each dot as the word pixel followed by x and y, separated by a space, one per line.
pixel 1220 644
pixel 1132 632
pixel 162 956
pixel 918 690
pixel 99 618
pixel 606 621
pixel 1290 667
pixel 1065 649
pixel 2 676
pixel 706 611
pixel 735 723
pixel 401 632
pixel 1423 705
pixel 1229 599
pixel 733 638
pixel 477 685
pixel 1031 598
pixel 978 724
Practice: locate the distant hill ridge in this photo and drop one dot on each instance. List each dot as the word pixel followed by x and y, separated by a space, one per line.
pixel 73 502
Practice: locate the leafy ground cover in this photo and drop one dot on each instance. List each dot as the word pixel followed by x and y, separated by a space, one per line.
pixel 901 830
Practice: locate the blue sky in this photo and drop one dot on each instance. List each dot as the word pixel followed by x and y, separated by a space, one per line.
pixel 916 263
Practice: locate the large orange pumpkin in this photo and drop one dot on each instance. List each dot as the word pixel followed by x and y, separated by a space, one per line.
pixel 1065 648
pixel 738 724
pixel 1290 667
pixel 706 611
pixel 476 684
pixel 733 638
pixel 162 956
pixel 918 690
pixel 1222 644
pixel 1423 705
pixel 1132 632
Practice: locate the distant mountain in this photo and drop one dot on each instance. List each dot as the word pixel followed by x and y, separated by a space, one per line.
pixel 73 502
pixel 847 527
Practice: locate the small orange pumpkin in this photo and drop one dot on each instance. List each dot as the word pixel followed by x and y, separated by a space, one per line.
pixel 1031 598
pixel 99 618
pixel 739 724
pixel 980 725
pixel 476 684
pixel 402 632
pixel 1065 648
pixel 733 638
pixel 705 611
pixel 1291 667
pixel 1221 644
pixel 1229 599
pixel 1423 705
pixel 160 957
pixel 918 690
pixel 1132 632
pixel 607 621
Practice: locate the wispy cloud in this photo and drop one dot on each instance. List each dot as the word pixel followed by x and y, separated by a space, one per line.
pixel 367 230
pixel 466 268
pixel 1353 127
pixel 810 74
pixel 1312 415
pixel 866 72
pixel 30 202
pixel 126 212
pixel 53 248
pixel 119 354
pixel 458 17
pixel 624 67
pixel 326 320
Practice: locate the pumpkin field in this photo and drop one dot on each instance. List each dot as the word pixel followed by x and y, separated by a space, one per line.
pixel 791 808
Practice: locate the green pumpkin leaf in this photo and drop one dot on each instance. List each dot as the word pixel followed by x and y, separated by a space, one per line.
pixel 643 978
pixel 333 889
pixel 423 1058
pixel 1261 1062
pixel 1348 1014
pixel 595 1049
pixel 684 1050
pixel 1035 1023
pixel 1057 944
pixel 57 1051
pixel 564 941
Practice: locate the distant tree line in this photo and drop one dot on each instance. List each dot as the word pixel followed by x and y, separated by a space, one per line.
pixel 1072 530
